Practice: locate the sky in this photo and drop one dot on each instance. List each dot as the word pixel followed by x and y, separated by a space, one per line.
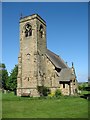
pixel 67 32
pixel 88 41
pixel 0 31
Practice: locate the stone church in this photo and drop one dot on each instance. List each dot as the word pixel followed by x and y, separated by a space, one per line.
pixel 37 65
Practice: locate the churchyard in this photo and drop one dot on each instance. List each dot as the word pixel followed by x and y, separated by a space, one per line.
pixel 26 107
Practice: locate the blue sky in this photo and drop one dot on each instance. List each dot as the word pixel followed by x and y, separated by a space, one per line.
pixel 88 41
pixel 67 31
pixel 0 32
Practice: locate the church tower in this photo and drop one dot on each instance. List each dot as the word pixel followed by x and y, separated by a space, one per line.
pixel 31 60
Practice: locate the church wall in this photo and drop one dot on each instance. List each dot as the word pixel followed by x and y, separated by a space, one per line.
pixel 52 79
pixel 31 60
pixel 51 75
pixel 66 90
pixel 74 87
pixel 41 49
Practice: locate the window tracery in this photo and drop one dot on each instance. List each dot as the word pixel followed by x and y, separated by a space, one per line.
pixel 28 30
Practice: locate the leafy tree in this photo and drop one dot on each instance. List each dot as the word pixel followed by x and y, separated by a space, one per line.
pixel 79 87
pixel 0 78
pixel 3 75
pixel 2 66
pixel 12 80
pixel 82 86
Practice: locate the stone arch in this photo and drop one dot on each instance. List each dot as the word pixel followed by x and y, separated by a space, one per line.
pixel 28 30
pixel 41 30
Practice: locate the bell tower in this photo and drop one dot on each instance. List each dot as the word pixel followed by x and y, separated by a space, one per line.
pixel 31 60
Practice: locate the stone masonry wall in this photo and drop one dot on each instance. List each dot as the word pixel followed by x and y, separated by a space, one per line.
pixel 31 61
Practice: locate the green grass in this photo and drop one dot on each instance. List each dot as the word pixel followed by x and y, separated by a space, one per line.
pixel 84 92
pixel 64 107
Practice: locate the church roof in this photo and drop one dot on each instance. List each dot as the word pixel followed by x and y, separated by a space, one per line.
pixel 66 74
pixel 56 60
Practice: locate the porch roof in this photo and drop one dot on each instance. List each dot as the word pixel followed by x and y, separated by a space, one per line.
pixel 66 74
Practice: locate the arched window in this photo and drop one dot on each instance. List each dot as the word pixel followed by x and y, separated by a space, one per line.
pixel 28 56
pixel 41 31
pixel 28 30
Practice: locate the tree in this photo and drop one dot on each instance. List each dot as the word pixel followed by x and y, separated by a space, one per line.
pixel 3 75
pixel 12 80
pixel 0 78
pixel 82 86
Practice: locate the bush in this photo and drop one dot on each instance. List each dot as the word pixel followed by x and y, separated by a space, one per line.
pixel 58 93
pixel 43 91
pixel 52 94
pixel 82 86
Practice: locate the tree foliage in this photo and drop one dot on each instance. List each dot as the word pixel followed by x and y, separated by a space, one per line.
pixel 12 80
pixel 82 86
pixel 3 75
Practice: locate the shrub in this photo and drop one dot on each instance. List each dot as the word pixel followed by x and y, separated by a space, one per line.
pixel 58 93
pixel 52 94
pixel 43 91
pixel 82 86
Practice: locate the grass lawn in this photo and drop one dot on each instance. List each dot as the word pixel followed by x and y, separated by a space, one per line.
pixel 64 107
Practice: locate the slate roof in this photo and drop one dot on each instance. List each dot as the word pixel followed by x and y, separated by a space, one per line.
pixel 56 60
pixel 66 74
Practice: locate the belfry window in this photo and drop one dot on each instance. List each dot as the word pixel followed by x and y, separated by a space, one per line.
pixel 41 31
pixel 28 30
